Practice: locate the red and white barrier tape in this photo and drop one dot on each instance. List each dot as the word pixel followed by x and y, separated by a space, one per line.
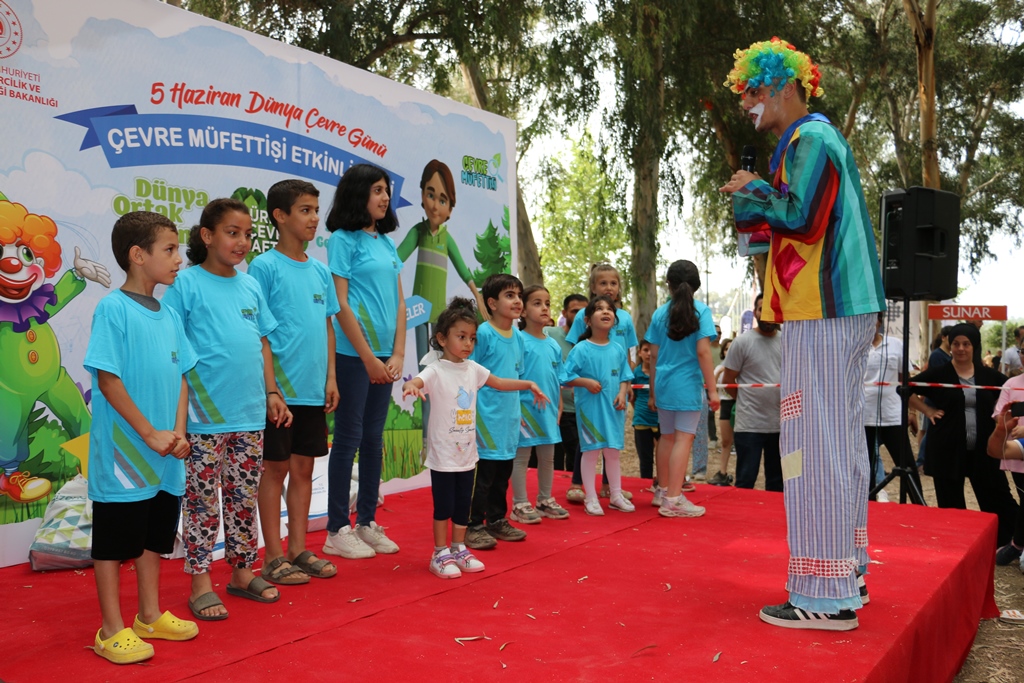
pixel 933 385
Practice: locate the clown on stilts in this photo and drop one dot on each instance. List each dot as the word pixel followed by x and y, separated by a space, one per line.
pixel 823 281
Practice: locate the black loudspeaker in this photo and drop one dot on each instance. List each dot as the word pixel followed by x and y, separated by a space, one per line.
pixel 920 244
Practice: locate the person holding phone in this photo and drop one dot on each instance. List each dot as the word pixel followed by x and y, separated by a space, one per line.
pixel 1006 444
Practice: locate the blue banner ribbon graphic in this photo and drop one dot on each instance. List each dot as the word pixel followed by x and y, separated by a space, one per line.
pixel 128 139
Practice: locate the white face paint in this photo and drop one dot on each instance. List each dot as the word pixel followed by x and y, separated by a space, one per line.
pixel 757 111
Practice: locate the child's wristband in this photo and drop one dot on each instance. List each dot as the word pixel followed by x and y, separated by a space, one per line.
pixel 273 392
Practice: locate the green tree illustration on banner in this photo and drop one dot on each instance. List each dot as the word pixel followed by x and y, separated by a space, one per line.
pixel 264 235
pixel 493 250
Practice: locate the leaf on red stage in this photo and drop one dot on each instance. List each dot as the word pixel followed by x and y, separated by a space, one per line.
pixel 645 647
pixel 715 658
pixel 465 639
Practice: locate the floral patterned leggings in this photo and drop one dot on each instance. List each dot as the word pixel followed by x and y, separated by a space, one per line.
pixel 231 461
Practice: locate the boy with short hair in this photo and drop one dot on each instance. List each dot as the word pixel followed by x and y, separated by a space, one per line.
pixel 137 357
pixel 300 293
pixel 500 349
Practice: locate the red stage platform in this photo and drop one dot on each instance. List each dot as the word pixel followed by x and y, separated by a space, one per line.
pixel 621 597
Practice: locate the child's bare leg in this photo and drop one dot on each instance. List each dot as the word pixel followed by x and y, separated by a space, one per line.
pixel 458 534
pixel 147 570
pixel 300 490
pixel 108 589
pixel 679 460
pixel 269 503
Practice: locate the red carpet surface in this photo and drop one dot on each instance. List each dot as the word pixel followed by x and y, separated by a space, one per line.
pixel 620 597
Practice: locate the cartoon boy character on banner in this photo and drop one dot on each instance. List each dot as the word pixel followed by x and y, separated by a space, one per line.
pixel 30 363
pixel 436 247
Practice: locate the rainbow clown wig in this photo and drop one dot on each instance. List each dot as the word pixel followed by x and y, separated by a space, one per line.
pixel 773 63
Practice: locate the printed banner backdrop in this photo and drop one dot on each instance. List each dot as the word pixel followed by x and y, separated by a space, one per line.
pixel 112 106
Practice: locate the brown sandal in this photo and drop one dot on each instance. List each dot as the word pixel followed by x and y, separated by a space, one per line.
pixel 284 573
pixel 314 566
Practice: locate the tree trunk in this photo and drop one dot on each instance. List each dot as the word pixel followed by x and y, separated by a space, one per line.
pixel 646 160
pixel 922 23
pixel 529 258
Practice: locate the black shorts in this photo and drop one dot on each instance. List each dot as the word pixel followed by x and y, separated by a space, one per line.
pixel 725 411
pixel 121 531
pixel 307 435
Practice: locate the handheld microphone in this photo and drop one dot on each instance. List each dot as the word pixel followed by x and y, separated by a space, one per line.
pixel 748 160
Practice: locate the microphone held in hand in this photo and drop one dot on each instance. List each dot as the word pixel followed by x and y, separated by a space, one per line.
pixel 748 160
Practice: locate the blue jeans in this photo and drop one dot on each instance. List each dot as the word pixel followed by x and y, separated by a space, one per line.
pixel 358 425
pixel 749 446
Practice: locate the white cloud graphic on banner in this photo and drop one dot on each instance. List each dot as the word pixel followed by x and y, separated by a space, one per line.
pixel 44 181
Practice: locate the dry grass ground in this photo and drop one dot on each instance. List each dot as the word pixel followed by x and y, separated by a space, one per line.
pixel 997 655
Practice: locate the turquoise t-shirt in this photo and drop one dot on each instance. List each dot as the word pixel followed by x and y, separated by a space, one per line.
pixel 497 412
pixel 558 334
pixel 542 364
pixel 623 334
pixel 225 319
pixel 600 425
pixel 371 266
pixel 149 352
pixel 302 297
pixel 679 384
pixel 642 415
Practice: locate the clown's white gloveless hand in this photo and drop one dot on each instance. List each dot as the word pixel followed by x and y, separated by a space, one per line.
pixel 91 270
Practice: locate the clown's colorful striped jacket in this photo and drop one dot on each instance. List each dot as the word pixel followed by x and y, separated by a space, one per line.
pixel 823 262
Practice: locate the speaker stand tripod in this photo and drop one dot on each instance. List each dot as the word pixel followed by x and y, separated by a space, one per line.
pixel 908 487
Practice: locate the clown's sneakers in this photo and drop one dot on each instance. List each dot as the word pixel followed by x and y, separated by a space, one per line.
pixel 22 487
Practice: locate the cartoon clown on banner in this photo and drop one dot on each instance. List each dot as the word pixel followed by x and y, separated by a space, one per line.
pixel 824 282
pixel 31 369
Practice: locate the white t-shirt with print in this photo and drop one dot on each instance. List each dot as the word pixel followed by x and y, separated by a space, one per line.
pixel 451 432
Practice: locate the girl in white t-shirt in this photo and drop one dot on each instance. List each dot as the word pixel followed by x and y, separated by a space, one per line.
pixel 451 385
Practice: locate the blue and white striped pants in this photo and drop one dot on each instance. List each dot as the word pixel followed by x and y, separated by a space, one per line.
pixel 824 463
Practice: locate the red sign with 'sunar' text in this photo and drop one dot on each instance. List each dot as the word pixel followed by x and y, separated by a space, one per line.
pixel 960 312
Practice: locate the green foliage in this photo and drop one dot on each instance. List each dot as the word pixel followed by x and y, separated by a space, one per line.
pixel 402 453
pixel 46 459
pixel 992 334
pixel 493 250
pixel 584 219
pixel 256 201
pixel 398 418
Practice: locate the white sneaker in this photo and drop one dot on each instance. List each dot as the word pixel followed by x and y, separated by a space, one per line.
pixel 883 496
pixel 466 561
pixel 680 507
pixel 524 513
pixel 659 496
pixel 619 502
pixel 442 565
pixel 345 543
pixel 374 537
pixel 593 507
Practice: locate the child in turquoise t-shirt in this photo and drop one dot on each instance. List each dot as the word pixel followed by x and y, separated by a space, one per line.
pixel 300 293
pixel 500 349
pixel 369 333
pixel 232 394
pixel 137 355
pixel 645 420
pixel 539 425
pixel 680 335
pixel 599 371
